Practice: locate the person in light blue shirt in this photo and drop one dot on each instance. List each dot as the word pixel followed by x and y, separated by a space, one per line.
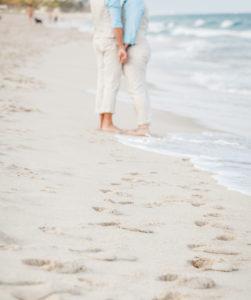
pixel 134 19
pixel 135 22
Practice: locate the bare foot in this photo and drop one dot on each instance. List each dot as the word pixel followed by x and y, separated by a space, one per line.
pixel 111 129
pixel 142 130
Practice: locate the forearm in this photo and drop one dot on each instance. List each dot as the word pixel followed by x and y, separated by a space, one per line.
pixel 118 32
pixel 116 20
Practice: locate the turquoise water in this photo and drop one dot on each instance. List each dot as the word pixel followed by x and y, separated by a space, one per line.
pixel 231 22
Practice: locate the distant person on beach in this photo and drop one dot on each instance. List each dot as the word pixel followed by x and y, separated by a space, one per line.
pixel 53 14
pixel 111 54
pixel 30 11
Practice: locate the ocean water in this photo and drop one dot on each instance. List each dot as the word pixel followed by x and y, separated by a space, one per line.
pixel 201 68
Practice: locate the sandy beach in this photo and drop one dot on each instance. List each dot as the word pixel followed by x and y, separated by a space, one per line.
pixel 86 217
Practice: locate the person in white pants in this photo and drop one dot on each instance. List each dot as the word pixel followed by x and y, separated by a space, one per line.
pixel 111 53
pixel 135 22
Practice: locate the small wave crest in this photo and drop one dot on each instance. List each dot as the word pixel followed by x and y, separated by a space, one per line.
pixel 207 33
pixel 227 24
pixel 199 22
pixel 214 82
pixel 156 27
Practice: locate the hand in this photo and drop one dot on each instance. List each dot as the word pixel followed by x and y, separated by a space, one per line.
pixel 123 56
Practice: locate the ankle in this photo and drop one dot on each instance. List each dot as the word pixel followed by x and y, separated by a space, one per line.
pixel 107 125
pixel 107 121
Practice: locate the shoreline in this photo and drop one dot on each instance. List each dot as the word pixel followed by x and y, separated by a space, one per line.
pixel 84 216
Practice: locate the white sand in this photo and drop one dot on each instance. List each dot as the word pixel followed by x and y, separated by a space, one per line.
pixel 84 217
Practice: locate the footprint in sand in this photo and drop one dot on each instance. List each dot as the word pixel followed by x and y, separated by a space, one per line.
pixel 221 251
pixel 205 249
pixel 225 237
pixel 212 215
pixel 207 264
pixel 125 202
pixel 201 223
pixel 110 201
pixel 197 204
pixel 105 191
pixel 184 187
pixel 168 277
pixel 114 258
pixel 90 250
pixel 20 283
pixel 222 226
pixel 117 224
pixel 198 283
pixel 90 282
pixel 124 195
pixel 144 181
pixel 218 207
pixel 195 246
pixel 51 230
pixel 153 204
pixel 108 224
pixel 170 296
pixel 136 230
pixel 134 173
pixel 192 282
pixel 154 224
pixel 98 209
pixel 56 266
pixel 153 172
pixel 116 212
pixel 197 190
pixel 127 179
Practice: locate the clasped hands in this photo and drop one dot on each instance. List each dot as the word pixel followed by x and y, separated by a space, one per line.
pixel 123 55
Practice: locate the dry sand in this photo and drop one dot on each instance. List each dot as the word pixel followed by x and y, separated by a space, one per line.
pixel 84 217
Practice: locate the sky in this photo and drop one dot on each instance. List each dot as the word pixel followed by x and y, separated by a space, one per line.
pixel 198 6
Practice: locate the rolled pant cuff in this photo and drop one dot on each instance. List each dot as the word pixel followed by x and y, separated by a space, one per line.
pixel 105 111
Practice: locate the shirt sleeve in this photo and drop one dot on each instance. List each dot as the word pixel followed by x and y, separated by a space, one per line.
pixel 133 13
pixel 115 12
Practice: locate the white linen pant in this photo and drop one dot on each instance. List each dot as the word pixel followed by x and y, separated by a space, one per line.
pixel 109 74
pixel 135 73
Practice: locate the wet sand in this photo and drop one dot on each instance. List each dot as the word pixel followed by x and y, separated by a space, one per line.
pixel 84 217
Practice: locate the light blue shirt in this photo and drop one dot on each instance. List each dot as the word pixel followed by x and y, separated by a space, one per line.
pixel 114 7
pixel 133 11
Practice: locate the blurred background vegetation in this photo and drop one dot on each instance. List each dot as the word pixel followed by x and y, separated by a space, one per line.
pixel 64 5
